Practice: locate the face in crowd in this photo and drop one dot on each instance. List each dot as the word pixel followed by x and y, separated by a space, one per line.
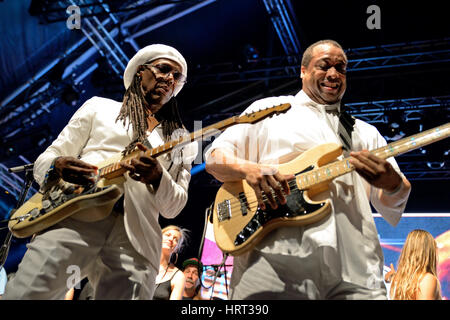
pixel 170 239
pixel 191 274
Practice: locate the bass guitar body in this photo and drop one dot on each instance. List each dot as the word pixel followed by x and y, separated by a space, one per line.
pixel 238 221
pixel 89 204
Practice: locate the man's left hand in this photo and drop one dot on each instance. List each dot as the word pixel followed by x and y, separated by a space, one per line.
pixel 378 172
pixel 144 168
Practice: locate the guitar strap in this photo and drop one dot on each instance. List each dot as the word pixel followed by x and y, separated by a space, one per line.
pixel 345 129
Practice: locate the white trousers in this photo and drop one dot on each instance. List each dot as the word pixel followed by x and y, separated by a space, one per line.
pixel 260 276
pixel 61 256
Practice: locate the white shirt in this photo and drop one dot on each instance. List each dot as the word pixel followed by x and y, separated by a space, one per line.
pixel 350 231
pixel 94 135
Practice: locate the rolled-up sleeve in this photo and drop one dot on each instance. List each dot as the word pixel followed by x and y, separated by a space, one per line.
pixel 172 193
pixel 391 207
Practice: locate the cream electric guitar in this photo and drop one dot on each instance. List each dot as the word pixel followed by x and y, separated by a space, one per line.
pixel 239 224
pixel 95 202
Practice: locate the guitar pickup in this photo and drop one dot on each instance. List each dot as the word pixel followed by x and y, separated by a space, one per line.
pixel 224 210
pixel 244 203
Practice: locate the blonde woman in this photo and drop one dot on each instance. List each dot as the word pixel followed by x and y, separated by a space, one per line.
pixel 170 280
pixel 416 276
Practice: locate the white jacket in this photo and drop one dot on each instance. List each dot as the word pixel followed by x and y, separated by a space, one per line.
pixel 93 135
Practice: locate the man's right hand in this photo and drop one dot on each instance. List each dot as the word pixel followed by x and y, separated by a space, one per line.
pixel 224 166
pixel 265 179
pixel 75 171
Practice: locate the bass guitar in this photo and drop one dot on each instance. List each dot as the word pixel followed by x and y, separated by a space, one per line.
pixel 239 223
pixel 95 202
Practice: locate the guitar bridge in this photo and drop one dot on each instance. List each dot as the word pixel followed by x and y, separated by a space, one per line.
pixel 224 210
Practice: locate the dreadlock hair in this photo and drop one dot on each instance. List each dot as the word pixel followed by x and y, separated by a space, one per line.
pixel 133 109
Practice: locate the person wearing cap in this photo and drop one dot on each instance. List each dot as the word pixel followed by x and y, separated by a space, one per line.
pixel 192 269
pixel 119 254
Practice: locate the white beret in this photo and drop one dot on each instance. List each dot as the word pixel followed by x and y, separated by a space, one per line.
pixel 150 53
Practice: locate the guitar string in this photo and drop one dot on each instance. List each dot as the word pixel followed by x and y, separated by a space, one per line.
pixel 235 204
pixel 253 199
pixel 383 149
pixel 293 186
pixel 379 152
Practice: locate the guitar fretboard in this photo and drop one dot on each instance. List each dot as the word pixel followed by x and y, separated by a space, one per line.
pixel 341 167
pixel 114 170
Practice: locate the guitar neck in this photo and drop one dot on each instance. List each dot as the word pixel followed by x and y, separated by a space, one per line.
pixel 194 136
pixel 339 168
pixel 115 170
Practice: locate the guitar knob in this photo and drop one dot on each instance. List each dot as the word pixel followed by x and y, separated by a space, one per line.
pixel 55 195
pixel 34 213
pixel 46 204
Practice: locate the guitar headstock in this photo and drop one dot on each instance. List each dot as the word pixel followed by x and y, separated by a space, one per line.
pixel 262 114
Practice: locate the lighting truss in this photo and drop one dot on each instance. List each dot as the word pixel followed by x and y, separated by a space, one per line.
pixel 101 38
pixel 418 170
pixel 370 111
pixel 279 15
pixel 375 111
pixel 101 35
pixel 54 10
pixel 405 54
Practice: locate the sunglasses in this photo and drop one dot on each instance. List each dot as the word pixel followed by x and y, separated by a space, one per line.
pixel 166 70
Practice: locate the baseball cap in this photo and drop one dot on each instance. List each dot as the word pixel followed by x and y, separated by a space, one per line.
pixel 195 262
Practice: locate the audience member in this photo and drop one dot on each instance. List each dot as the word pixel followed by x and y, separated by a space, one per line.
pixel 170 280
pixel 192 269
pixel 416 277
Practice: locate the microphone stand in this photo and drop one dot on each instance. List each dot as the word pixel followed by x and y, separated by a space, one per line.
pixel 4 249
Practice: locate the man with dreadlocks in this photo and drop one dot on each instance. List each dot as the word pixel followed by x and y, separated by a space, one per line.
pixel 119 254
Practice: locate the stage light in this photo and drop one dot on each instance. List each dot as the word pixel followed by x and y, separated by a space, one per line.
pixel 393 131
pixel 394 127
pixel 70 96
pixel 251 54
pixel 436 155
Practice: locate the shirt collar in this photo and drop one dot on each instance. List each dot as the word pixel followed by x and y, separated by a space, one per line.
pixel 305 99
